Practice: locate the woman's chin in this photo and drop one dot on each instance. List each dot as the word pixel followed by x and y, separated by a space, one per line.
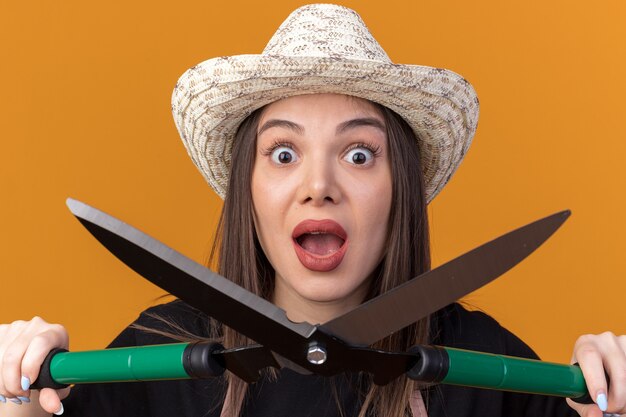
pixel 329 293
pixel 331 297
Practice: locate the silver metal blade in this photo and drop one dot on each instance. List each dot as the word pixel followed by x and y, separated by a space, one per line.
pixel 198 286
pixel 433 290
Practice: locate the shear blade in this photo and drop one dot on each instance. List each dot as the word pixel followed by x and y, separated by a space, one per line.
pixel 433 290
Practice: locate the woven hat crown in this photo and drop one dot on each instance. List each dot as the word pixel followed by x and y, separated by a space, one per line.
pixel 325 30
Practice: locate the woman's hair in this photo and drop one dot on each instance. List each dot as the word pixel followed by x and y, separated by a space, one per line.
pixel 238 255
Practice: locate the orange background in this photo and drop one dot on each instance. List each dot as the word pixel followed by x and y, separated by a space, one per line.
pixel 85 113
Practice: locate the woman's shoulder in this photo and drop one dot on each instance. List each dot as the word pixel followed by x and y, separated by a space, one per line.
pixel 452 326
pixel 175 311
pixel 457 326
pixel 170 322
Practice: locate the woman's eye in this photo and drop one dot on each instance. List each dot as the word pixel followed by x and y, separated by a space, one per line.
pixel 359 156
pixel 283 155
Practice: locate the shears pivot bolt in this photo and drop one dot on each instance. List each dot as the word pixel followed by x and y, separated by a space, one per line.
pixel 316 355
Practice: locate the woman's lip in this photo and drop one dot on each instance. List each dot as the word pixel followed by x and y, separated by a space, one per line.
pixel 320 226
pixel 320 263
pixel 315 262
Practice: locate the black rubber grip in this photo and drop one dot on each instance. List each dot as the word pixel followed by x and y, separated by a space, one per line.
pixel 432 365
pixel 45 380
pixel 200 362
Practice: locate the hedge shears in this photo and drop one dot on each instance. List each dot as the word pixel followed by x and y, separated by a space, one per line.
pixel 339 345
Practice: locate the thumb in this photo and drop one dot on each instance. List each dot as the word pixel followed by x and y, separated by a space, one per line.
pixel 50 400
pixel 585 410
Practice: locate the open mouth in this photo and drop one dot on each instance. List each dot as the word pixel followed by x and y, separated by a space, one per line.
pixel 320 244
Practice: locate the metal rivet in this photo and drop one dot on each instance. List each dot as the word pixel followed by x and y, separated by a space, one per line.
pixel 316 355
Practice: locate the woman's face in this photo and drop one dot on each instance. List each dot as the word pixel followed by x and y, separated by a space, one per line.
pixel 321 189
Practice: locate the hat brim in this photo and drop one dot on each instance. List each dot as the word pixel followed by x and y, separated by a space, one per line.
pixel 212 99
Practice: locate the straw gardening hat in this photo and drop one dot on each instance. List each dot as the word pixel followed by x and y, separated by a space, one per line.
pixel 323 48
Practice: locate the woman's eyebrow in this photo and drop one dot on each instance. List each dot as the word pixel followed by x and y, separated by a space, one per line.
pixel 281 123
pixel 347 125
pixel 362 121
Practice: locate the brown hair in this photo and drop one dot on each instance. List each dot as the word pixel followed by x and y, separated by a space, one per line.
pixel 242 260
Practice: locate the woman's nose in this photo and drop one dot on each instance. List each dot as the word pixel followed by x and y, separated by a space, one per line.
pixel 319 183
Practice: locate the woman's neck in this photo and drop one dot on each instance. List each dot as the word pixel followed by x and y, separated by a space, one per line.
pixel 299 309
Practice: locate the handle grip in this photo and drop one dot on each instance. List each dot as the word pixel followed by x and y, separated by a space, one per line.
pixel 507 373
pixel 138 363
pixel 45 379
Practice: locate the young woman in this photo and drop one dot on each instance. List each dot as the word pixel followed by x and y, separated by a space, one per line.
pixel 326 154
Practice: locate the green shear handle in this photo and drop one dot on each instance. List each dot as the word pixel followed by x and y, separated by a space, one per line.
pixel 500 372
pixel 196 360
pixel 138 363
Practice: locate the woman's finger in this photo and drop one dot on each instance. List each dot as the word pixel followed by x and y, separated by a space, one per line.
pixel 615 364
pixel 38 349
pixel 23 347
pixel 11 353
pixel 589 357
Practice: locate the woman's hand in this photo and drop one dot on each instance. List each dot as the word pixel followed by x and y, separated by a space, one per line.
pixel 23 347
pixel 595 354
